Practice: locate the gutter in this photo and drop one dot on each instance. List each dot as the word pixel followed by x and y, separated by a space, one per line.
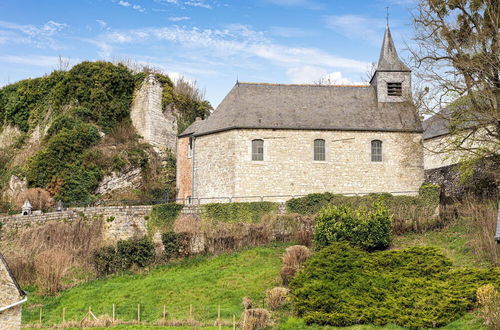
pixel 14 304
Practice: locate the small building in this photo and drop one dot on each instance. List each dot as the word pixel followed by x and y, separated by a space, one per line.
pixel 291 140
pixel 11 299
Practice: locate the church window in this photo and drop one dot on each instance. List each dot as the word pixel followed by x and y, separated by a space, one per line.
pixel 376 151
pixel 319 150
pixel 394 89
pixel 257 149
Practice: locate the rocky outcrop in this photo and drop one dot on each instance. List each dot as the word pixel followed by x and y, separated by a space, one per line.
pixel 15 186
pixel 156 127
pixel 128 179
pixel 8 136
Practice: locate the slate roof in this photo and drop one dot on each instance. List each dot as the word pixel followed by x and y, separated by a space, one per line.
pixel 312 107
pixel 389 59
pixel 437 125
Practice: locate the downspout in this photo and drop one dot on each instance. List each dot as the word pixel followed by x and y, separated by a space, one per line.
pixel 192 168
pixel 14 304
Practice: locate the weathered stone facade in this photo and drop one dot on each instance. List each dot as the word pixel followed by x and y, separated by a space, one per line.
pixel 381 79
pixel 158 128
pixel 10 319
pixel 223 165
pixel 433 155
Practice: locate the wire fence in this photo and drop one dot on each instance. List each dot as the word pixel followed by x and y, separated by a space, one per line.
pixel 109 315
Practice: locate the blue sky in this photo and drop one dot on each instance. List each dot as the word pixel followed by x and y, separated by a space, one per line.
pixel 213 42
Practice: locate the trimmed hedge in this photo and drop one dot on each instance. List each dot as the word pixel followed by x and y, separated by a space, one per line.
pixel 415 287
pixel 368 229
pixel 162 217
pixel 251 212
pixel 110 259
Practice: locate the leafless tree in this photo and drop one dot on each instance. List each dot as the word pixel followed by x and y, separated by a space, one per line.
pixel 456 59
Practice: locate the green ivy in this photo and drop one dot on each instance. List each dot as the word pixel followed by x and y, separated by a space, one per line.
pixel 162 217
pixel 415 287
pixel 237 212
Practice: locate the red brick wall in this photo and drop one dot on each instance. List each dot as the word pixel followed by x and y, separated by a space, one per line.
pixel 184 169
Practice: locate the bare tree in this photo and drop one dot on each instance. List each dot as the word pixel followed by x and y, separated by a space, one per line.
pixel 456 58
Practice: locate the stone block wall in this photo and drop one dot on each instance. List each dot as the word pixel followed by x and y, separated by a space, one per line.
pixel 158 128
pixel 381 80
pixel 120 222
pixel 223 166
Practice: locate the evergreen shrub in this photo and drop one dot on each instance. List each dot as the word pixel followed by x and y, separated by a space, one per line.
pixel 176 244
pixel 368 229
pixel 415 287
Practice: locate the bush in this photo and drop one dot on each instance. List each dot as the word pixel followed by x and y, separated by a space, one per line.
pixel 176 244
pixel 238 212
pixel 410 213
pixel 370 230
pixel 128 253
pixel 276 297
pixel 293 259
pixel 415 287
pixel 163 216
pixel 488 299
pixel 255 319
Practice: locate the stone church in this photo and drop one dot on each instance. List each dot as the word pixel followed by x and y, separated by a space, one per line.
pixel 291 140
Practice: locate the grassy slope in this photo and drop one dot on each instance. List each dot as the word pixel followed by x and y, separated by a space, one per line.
pixel 205 282
pixel 202 281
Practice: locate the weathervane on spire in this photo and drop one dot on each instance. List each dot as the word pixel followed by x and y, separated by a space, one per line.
pixel 387 15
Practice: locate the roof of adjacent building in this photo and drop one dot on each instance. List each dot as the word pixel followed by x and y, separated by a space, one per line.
pixel 312 107
pixel 437 125
pixel 21 292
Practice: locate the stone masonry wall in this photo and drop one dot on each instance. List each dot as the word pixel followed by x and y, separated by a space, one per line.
pixel 433 159
pixel 158 128
pixel 381 80
pixel 120 222
pixel 10 319
pixel 184 169
pixel 224 167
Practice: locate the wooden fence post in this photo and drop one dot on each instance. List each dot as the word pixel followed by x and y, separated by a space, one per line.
pixel 64 315
pixel 139 313
pixel 218 316
pixel 40 317
pixel 190 312
pixel 234 322
pixel 113 318
pixel 164 312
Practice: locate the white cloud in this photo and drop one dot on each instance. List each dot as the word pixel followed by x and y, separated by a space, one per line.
pixel 357 27
pixel 36 60
pixel 317 75
pixel 40 36
pixel 197 4
pixel 178 18
pixel 102 23
pixel 133 6
pixel 236 41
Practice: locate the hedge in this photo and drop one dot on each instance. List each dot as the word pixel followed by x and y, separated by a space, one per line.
pixel 251 212
pixel 416 287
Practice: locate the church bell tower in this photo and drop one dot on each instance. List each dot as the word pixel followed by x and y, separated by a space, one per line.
pixel 392 78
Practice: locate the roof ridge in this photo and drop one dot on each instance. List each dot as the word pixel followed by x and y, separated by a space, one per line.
pixel 300 85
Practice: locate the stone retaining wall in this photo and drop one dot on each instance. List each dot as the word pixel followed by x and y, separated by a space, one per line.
pixel 120 222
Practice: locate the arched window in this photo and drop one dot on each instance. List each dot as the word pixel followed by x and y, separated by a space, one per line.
pixel 376 151
pixel 257 149
pixel 319 149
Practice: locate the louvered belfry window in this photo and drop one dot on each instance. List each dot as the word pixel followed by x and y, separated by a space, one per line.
pixel 319 150
pixel 394 89
pixel 376 151
pixel 258 149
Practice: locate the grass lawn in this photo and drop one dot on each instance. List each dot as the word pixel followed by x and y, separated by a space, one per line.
pixel 204 282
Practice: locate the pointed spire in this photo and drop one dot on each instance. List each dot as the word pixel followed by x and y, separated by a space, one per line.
pixel 389 60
